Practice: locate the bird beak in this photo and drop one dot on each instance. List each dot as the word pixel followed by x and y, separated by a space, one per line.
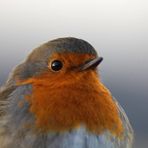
pixel 91 64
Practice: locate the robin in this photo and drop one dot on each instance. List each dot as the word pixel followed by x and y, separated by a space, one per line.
pixel 55 99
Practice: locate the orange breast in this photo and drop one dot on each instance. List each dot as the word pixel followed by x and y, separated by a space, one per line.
pixel 63 106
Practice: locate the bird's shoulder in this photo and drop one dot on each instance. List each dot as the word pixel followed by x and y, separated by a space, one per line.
pixel 128 133
pixel 4 94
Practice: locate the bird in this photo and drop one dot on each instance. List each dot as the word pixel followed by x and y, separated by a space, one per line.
pixel 55 99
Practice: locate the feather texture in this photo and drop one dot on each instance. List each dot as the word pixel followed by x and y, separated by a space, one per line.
pixel 13 135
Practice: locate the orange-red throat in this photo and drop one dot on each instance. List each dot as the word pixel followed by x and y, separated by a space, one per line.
pixel 69 98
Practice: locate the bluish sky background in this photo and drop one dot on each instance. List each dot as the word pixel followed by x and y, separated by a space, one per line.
pixel 118 29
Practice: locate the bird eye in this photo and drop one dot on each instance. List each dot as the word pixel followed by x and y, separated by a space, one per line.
pixel 56 65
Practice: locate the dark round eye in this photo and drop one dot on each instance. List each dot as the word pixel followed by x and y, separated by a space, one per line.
pixel 56 65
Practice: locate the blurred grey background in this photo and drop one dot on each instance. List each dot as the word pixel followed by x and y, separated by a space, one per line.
pixel 118 29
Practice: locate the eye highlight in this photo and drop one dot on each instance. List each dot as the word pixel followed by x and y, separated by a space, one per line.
pixel 56 65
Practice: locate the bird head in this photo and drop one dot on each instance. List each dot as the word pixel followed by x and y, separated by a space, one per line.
pixel 66 89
